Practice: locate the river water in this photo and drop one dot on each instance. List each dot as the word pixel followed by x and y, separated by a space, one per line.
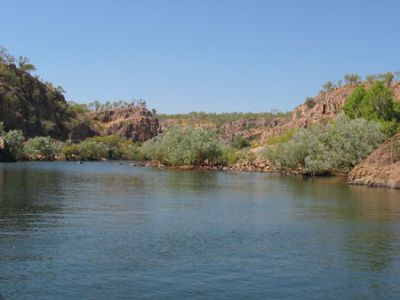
pixel 113 231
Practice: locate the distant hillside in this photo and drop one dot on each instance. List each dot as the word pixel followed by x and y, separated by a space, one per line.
pixel 28 104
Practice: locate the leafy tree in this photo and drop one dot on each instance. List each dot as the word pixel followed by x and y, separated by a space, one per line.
pixel 352 106
pixel 25 65
pixel 310 102
pixel 15 139
pixel 388 78
pixel 377 104
pixel 5 57
pixel 351 78
pixel 327 86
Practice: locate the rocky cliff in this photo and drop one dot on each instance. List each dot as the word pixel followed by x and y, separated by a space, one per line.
pixel 136 123
pixel 381 168
pixel 28 104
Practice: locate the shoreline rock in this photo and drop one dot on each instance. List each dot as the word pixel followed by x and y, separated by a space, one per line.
pixel 381 168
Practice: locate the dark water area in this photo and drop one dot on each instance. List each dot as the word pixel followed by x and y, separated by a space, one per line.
pixel 112 231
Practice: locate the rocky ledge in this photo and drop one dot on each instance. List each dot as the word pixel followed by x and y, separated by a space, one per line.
pixel 381 168
pixel 136 123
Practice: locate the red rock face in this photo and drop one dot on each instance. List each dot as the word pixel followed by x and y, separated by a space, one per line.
pixel 381 168
pixel 136 123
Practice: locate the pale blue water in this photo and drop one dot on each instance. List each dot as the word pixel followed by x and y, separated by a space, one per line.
pixel 111 231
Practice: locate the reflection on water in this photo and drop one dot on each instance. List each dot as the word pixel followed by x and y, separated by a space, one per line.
pixel 112 231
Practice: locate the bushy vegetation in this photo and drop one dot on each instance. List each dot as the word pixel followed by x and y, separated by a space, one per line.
pixel 239 142
pixel 281 138
pixel 185 146
pixel 376 104
pixel 337 146
pixel 103 148
pixel 15 140
pixel 41 148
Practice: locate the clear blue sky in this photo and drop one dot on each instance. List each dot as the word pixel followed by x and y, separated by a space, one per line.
pixel 208 55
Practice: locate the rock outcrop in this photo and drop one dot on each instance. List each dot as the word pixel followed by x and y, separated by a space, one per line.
pixel 5 154
pixel 252 129
pixel 136 123
pixel 381 168
pixel 327 105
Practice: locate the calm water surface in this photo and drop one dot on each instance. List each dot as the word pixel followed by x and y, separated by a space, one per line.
pixel 111 231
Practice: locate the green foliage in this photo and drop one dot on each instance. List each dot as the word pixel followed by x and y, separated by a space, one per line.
pixel 184 146
pixel 231 155
pixel 352 78
pixel 41 148
pixel 77 108
pixel 281 138
pixel 338 146
pixel 117 104
pixel 25 65
pixel 103 148
pixel 92 150
pixel 310 102
pixel 15 139
pixel 133 152
pixel 71 152
pixel 2 131
pixel 352 106
pixel 5 57
pixel 376 104
pixel 239 142
pixel 327 86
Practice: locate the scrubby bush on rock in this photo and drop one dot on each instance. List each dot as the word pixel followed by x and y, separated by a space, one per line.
pixel 337 146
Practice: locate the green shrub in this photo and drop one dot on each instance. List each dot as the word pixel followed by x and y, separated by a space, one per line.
pixel 338 146
pixel 184 146
pixel 71 152
pixel 15 140
pixel 92 150
pixel 375 104
pixel 310 102
pixel 41 148
pixel 281 138
pixel 133 152
pixel 231 155
pixel 240 142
